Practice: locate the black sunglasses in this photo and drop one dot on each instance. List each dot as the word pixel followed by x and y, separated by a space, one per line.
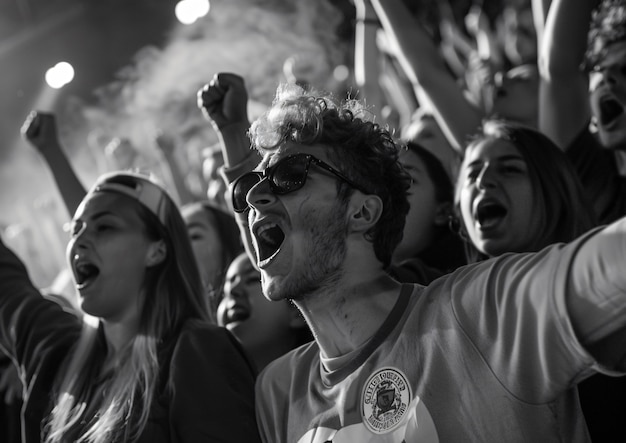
pixel 288 175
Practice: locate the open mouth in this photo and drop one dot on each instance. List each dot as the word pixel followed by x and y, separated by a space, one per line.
pixel 237 314
pixel 85 273
pixel 490 213
pixel 269 237
pixel 610 110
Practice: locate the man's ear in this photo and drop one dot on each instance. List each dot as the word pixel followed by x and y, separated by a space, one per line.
pixel 365 211
pixel 157 252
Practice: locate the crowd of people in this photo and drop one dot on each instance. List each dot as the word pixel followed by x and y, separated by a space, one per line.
pixel 436 259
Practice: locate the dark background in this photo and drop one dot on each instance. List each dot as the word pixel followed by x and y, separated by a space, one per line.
pixel 98 37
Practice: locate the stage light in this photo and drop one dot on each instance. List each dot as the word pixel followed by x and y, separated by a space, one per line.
pixel 188 11
pixel 59 75
pixel 341 73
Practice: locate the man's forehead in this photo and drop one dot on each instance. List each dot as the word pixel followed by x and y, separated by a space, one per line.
pixel 290 148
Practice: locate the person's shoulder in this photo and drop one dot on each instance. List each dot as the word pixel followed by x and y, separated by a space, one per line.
pixel 584 142
pixel 414 270
pixel 198 339
pixel 198 326
pixel 202 335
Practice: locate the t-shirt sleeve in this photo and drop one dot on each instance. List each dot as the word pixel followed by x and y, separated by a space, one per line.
pixel 273 395
pixel 212 386
pixel 514 310
pixel 597 294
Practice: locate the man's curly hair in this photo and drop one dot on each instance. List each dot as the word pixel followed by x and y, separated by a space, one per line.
pixel 363 150
pixel 608 26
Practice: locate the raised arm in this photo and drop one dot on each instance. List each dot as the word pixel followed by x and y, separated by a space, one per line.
pixel 367 56
pixel 425 68
pixel 487 47
pixel 167 145
pixel 564 108
pixel 35 332
pixel 40 129
pixel 224 103
pixel 540 10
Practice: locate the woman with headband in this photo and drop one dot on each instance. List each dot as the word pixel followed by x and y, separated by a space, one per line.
pixel 152 367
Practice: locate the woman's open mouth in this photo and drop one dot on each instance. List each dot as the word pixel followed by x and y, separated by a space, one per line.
pixel 84 273
pixel 489 214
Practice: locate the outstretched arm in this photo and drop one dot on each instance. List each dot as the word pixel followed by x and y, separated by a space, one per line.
pixel 564 108
pixel 40 129
pixel 597 288
pixel 425 68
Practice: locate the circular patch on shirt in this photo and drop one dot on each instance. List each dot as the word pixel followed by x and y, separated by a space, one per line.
pixel 385 400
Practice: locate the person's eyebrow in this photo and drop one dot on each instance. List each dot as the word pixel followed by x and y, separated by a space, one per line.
pixel 99 215
pixel 194 225
pixel 507 157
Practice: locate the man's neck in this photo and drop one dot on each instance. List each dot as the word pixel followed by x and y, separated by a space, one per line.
pixel 346 316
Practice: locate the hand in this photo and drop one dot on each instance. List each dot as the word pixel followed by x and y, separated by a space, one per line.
pixel 40 129
pixel 166 143
pixel 224 100
pixel 476 21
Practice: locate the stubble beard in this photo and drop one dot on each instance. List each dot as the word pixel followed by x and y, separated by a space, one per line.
pixel 325 253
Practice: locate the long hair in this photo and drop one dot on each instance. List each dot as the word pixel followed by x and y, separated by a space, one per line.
pixel 446 250
pixel 364 151
pixel 228 230
pixel 118 409
pixel 562 208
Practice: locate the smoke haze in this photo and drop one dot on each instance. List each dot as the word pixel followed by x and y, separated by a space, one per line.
pixel 156 92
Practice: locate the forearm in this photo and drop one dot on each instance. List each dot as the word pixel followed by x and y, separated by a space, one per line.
pixel 71 189
pixel 235 143
pixel 229 175
pixel 540 10
pixel 563 97
pixel 367 57
pixel 178 178
pixel 425 68
pixel 564 43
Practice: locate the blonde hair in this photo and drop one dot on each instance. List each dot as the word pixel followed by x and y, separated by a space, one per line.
pixel 129 392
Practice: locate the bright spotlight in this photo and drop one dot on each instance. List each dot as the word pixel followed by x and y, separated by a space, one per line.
pixel 341 73
pixel 59 75
pixel 201 6
pixel 188 11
